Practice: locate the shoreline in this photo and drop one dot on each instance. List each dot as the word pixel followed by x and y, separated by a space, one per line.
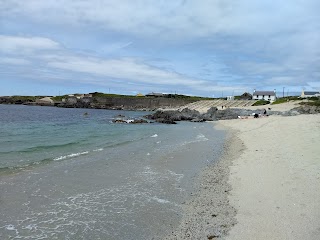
pixel 208 213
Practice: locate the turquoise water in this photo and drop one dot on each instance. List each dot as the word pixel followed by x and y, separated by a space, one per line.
pixel 66 175
pixel 30 135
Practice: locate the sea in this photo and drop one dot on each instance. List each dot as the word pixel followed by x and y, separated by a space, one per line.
pixel 68 173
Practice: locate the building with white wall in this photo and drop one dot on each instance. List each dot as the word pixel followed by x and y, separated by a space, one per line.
pixel 307 94
pixel 264 95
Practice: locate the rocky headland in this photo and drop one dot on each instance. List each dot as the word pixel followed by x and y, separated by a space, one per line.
pixel 213 114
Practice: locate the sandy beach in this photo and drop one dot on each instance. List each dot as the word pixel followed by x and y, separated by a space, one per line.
pixel 275 181
pixel 266 185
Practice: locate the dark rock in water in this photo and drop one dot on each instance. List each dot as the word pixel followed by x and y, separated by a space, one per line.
pixel 172 116
pixel 197 120
pixel 130 121
pixel 166 121
pixel 119 121
pixel 187 114
pixel 210 114
pixel 139 121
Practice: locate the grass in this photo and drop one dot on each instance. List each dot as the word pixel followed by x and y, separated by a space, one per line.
pixel 25 98
pixel 260 103
pixel 311 103
pixel 286 99
pixel 59 98
pixel 175 96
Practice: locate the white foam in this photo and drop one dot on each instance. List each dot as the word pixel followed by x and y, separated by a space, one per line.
pixel 98 150
pixel 202 137
pixel 10 227
pixel 31 226
pixel 70 156
pixel 159 200
pixel 155 135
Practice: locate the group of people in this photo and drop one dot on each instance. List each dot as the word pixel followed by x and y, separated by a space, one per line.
pixel 256 115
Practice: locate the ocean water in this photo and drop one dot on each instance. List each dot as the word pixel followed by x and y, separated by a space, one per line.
pixel 67 175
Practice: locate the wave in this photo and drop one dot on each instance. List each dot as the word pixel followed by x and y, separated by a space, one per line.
pixel 43 147
pixel 70 156
pixel 17 168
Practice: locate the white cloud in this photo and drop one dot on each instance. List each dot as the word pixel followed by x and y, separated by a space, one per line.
pixel 14 44
pixel 257 42
pixel 125 69
pixel 172 19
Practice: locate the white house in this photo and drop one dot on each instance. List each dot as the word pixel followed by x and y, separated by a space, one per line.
pixel 309 94
pixel 264 95
pixel 230 98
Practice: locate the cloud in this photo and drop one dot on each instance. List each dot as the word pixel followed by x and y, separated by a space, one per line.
pixel 125 69
pixel 14 61
pixel 254 43
pixel 15 44
pixel 171 19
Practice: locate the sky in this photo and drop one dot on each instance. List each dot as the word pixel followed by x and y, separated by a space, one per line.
pixel 206 48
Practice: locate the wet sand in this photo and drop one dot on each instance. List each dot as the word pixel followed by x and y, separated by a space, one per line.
pixel 208 214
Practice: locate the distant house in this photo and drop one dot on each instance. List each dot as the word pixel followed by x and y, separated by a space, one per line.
pixel 264 95
pixel 154 94
pixel 79 95
pixel 230 98
pixel 308 94
pixel 140 95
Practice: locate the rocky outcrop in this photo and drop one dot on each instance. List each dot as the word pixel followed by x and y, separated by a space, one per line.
pixel 131 121
pixel 171 116
pixel 123 103
pixel 213 114
pixel 307 109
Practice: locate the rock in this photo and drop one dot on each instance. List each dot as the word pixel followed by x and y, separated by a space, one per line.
pixel 166 121
pixel 306 109
pixel 119 121
pixel 131 121
pixel 197 120
pixel 135 121
pixel 213 114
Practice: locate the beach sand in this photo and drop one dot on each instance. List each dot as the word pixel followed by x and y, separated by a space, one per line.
pixel 275 181
pixel 267 185
pixel 208 214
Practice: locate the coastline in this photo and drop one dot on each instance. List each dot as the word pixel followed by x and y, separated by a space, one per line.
pixel 208 213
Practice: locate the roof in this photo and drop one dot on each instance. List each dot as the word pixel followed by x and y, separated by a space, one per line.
pixel 310 93
pixel 271 93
